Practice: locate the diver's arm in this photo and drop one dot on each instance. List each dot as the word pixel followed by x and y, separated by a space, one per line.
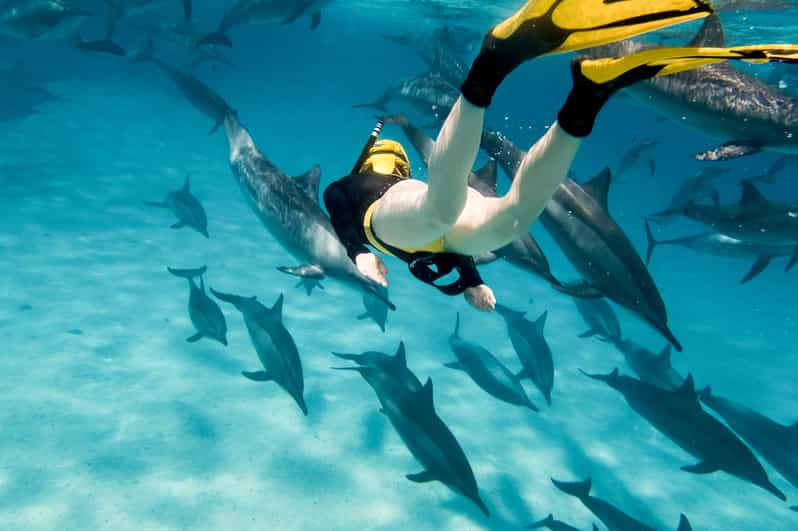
pixel 344 223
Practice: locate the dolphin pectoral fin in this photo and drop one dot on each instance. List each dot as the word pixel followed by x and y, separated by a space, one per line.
pixel 728 151
pixel 759 266
pixel 590 333
pixel 456 365
pixel 313 271
pixel 422 477
pixel 580 290
pixel 178 225
pixel 315 20
pixel 257 376
pixel 684 524
pixel 520 375
pixel 701 468
pixel 309 284
pixel 196 337
pixel 362 316
pixel 216 126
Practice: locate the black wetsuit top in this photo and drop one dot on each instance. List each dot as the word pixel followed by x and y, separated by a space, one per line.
pixel 347 201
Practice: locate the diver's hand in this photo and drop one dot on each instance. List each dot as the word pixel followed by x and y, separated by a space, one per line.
pixel 372 267
pixel 481 297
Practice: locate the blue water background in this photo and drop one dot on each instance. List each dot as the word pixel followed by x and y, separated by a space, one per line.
pixel 110 420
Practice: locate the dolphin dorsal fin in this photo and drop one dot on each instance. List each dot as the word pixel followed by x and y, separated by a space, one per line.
pixel 687 390
pixel 187 184
pixel 540 323
pixel 599 187
pixel 710 35
pixel 424 396
pixel 484 179
pixel 401 356
pixel 751 196
pixel 277 309
pixel 309 182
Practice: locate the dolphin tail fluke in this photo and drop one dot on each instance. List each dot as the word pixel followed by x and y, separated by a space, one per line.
pixel 188 273
pixel 218 38
pixel 546 522
pixel 578 489
pixel 684 524
pixel 652 243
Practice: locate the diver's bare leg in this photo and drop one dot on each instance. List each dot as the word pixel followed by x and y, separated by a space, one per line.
pixel 412 213
pixel 489 223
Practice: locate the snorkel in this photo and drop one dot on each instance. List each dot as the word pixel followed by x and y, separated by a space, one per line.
pixel 364 153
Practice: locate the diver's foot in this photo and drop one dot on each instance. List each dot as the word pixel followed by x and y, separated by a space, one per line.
pixel 544 27
pixel 481 297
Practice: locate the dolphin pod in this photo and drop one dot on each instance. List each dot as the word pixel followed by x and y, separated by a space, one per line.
pixel 578 219
pixel 186 208
pixel 678 415
pixel 614 518
pixel 273 343
pixel 206 316
pixel 409 406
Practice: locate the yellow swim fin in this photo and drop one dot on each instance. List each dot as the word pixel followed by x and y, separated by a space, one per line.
pixel 666 61
pixel 544 27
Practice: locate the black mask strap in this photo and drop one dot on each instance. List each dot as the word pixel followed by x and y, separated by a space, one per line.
pixel 445 263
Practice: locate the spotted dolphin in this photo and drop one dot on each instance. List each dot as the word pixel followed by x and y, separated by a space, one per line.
pixel 186 208
pixel 430 93
pixel 205 314
pixel 375 309
pixel 678 415
pixel 614 518
pixel 486 370
pixel 531 347
pixel 273 343
pixel 40 19
pixel 719 100
pixel 578 219
pixel 410 408
pixel 775 442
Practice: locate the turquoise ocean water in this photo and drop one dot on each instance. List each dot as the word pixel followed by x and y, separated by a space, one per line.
pixel 111 420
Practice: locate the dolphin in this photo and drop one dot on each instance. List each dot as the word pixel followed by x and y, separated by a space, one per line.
pixel 718 100
pixel 614 518
pixel 754 218
pixel 35 19
pixel 206 316
pixel 273 343
pixel 692 190
pixel 409 406
pixel 600 318
pixel 678 415
pixel 200 95
pixel 652 368
pixel 637 152
pixel 775 442
pixel 555 525
pixel 524 252
pixel 531 347
pixel 487 371
pixel 289 209
pixel 442 49
pixel 718 244
pixel 375 309
pixel 428 93
pixel 578 219
pixel 263 11
pixel 186 208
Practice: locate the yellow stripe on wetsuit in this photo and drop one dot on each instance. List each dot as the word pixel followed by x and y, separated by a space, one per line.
pixel 436 246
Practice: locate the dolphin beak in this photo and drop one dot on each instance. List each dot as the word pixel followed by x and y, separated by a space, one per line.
pixel 602 377
pixel 352 357
pixel 357 369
